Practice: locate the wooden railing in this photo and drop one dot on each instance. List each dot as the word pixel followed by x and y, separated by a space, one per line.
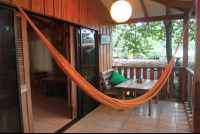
pixel 167 92
pixel 189 103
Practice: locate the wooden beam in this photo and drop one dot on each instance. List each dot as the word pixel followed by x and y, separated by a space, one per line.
pixel 152 19
pixel 143 8
pixel 196 91
pixel 164 2
pixel 182 4
pixel 185 59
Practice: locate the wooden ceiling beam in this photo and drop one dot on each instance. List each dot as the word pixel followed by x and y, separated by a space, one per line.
pixel 164 2
pixel 182 4
pixel 151 19
pixel 143 8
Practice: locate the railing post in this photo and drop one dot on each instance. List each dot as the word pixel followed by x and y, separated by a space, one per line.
pixel 180 84
pixel 185 59
pixel 171 85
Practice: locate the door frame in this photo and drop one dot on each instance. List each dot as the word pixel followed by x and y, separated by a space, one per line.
pixel 80 116
pixel 79 91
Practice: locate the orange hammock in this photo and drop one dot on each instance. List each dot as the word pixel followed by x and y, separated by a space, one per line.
pixel 89 89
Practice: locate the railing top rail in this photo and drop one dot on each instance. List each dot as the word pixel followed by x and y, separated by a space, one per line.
pixel 189 70
pixel 145 67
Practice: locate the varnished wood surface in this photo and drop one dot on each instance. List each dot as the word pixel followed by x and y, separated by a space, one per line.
pixel 133 86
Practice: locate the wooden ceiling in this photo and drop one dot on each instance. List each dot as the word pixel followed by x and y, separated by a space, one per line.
pixel 166 10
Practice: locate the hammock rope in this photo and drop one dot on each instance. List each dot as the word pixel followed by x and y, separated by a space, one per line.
pixel 89 89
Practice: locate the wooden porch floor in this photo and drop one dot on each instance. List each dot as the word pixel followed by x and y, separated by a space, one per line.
pixel 167 117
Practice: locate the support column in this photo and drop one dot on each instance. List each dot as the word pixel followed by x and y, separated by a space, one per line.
pixel 185 59
pixel 196 93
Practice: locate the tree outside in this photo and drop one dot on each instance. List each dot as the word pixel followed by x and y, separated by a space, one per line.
pixel 151 41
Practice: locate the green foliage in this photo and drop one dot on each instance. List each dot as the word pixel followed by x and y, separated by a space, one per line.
pixel 131 39
pixel 86 36
pixel 149 39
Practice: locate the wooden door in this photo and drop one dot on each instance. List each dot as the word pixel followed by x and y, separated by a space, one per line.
pixel 24 73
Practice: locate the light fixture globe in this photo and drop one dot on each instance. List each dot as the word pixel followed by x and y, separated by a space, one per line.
pixel 121 11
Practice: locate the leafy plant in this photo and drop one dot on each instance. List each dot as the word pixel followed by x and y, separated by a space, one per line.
pixel 143 38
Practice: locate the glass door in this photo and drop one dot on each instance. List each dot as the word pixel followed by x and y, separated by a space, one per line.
pixel 10 115
pixel 87 58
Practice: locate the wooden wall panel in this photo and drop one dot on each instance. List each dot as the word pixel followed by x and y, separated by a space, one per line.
pixel 27 4
pixel 101 58
pixel 89 15
pixel 38 6
pixel 64 9
pixel 100 18
pixel 96 16
pixel 69 10
pixel 58 8
pixel 78 12
pixel 83 8
pixel 110 46
pixel 81 12
pixel 98 13
pixel 104 58
pixel 8 1
pixel 49 8
pixel 22 3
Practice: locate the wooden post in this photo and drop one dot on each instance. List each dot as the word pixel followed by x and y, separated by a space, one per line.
pixel 196 92
pixel 185 59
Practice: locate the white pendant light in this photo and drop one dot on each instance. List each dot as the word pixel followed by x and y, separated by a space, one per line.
pixel 121 11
